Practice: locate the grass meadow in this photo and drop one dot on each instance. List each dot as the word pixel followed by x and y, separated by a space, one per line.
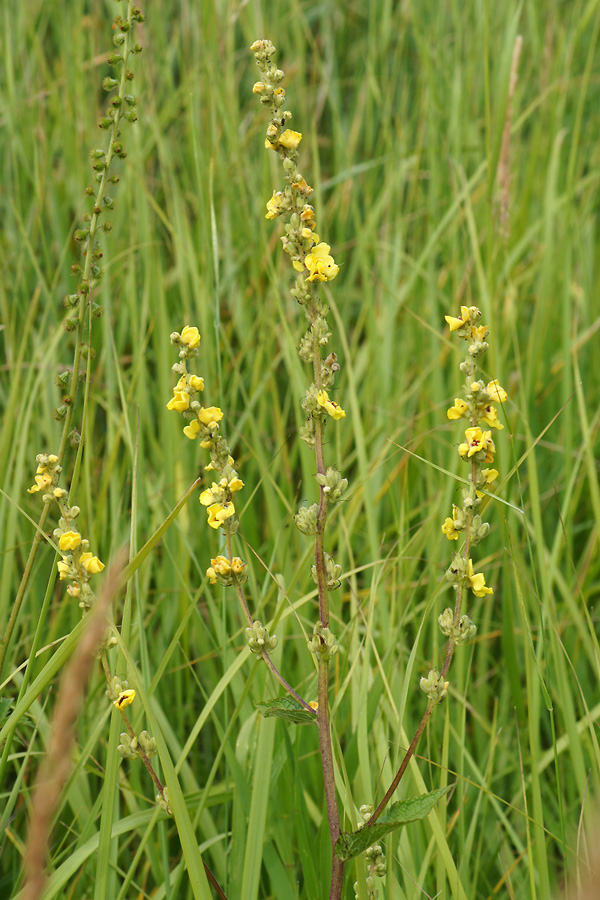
pixel 402 106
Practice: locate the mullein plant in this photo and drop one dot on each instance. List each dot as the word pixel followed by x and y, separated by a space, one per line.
pixel 77 565
pixel 220 499
pixel 312 259
pixel 81 303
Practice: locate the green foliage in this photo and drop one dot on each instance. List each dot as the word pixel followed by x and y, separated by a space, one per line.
pixel 286 708
pixel 402 108
pixel 353 843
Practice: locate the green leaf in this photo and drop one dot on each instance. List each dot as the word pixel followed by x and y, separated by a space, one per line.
pixel 4 707
pixel 353 843
pixel 285 708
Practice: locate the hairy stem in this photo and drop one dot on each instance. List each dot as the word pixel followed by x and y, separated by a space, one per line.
pixel 270 664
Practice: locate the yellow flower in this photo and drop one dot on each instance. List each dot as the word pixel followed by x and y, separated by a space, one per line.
pixel 489 475
pixel 124 699
pixel 211 495
pixel 69 540
pixel 275 205
pixel 290 139
pixel 320 264
pixel 489 415
pixel 496 392
pixel 191 430
pixel 63 568
pixel 236 484
pixel 218 513
pixel 330 406
pixel 313 705
pixel 297 265
pixel 210 414
pixel 179 401
pixel 258 87
pixel 91 564
pixel 237 566
pixel 303 188
pixel 458 410
pixel 41 483
pixel 219 566
pixel 477 440
pixel 479 332
pixel 456 322
pixel 477 581
pixel 190 336
pixel 449 530
pixel 308 215
pixel 196 383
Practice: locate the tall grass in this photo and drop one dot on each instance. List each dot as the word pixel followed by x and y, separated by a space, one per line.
pixel 402 107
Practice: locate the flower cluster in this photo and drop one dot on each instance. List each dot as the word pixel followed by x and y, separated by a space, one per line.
pixel 310 256
pixel 374 857
pixel 78 564
pixel 203 423
pixel 121 107
pixel 224 571
pixel 478 406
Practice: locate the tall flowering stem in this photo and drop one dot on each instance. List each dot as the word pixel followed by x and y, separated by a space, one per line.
pixel 81 303
pixel 477 407
pixel 312 260
pixel 203 424
pixel 76 567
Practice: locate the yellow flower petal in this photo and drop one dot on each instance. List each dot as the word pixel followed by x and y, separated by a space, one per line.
pixel 91 564
pixel 70 540
pixel 191 430
pixel 190 336
pixel 124 699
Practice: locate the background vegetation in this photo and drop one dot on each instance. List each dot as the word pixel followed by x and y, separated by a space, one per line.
pixel 402 106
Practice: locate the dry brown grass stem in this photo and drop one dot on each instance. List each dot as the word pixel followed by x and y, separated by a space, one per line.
pixel 504 160
pixel 55 767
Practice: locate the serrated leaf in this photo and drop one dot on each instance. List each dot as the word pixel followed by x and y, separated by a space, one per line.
pixel 353 843
pixel 286 708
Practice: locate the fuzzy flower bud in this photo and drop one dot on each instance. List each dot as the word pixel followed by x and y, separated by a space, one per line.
pixel 306 519
pixel 332 483
pixel 259 640
pixel 323 643
pixel 434 686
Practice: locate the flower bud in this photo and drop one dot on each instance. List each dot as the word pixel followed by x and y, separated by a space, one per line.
pixel 306 519
pixel 434 686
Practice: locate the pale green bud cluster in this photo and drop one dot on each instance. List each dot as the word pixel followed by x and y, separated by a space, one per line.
pixel 374 856
pixel 164 802
pixel 332 573
pixel 259 640
pixel 462 633
pixel 457 570
pixel 306 519
pixel 140 745
pixel 115 688
pixel 332 483
pixel 434 686
pixel 323 643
